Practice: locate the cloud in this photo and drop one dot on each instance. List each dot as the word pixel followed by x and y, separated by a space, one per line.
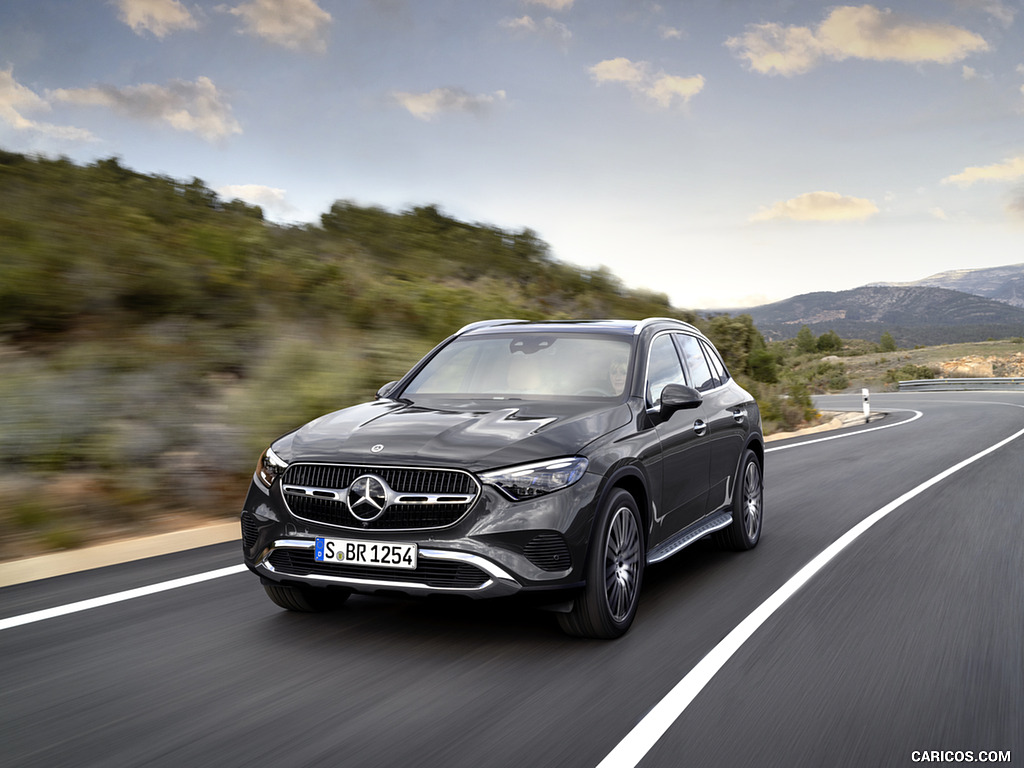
pixel 772 49
pixel 638 77
pixel 853 32
pixel 427 106
pixel 270 199
pixel 161 17
pixel 670 33
pixel 549 27
pixel 819 206
pixel 1011 168
pixel 295 24
pixel 938 213
pixel 194 107
pixel 16 100
pixel 522 24
pixel 554 5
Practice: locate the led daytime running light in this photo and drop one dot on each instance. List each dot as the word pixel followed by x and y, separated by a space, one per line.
pixel 531 480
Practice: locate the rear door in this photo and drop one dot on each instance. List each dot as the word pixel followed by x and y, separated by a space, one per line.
pixel 726 414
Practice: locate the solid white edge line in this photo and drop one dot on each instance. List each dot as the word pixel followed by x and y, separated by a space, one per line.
pixel 639 741
pixel 117 597
pixel 917 416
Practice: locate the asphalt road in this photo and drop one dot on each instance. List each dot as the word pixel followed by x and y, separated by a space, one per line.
pixel 908 640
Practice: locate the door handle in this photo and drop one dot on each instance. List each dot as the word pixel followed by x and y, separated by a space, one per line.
pixel 738 414
pixel 700 427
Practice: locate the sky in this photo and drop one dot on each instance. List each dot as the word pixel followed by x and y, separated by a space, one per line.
pixel 727 153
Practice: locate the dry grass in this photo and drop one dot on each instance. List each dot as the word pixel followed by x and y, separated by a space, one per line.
pixel 869 370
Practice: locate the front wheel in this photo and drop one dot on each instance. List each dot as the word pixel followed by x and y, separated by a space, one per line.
pixel 747 507
pixel 615 569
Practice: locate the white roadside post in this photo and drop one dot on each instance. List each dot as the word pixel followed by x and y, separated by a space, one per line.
pixel 867 405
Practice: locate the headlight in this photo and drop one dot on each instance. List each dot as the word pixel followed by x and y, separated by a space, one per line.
pixel 271 466
pixel 529 480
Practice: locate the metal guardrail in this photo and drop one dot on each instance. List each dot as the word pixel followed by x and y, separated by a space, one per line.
pixel 949 385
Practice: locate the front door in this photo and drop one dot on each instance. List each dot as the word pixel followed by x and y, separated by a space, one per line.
pixel 685 450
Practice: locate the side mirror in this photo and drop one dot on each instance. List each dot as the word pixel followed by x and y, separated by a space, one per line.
pixel 677 397
pixel 385 390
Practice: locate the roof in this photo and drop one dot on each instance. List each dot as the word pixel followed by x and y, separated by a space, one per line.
pixel 633 327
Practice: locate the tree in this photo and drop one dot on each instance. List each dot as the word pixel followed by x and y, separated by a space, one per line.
pixel 829 342
pixel 805 341
pixel 887 343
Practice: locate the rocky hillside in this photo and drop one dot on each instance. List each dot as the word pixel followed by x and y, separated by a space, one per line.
pixel 984 366
pixel 1004 284
pixel 914 315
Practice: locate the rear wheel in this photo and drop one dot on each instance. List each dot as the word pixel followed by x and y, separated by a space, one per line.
pixel 747 507
pixel 615 569
pixel 305 599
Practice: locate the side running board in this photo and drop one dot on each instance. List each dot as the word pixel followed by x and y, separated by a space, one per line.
pixel 687 536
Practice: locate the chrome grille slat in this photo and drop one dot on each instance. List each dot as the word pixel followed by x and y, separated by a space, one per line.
pixel 446 495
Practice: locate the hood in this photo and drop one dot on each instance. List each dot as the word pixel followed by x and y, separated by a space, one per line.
pixel 475 435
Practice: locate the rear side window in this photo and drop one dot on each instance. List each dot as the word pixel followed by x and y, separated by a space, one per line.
pixel 700 371
pixel 716 362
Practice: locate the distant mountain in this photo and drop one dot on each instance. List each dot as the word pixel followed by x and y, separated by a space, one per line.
pixel 1005 284
pixel 912 314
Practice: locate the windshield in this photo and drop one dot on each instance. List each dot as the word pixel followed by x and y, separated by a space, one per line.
pixel 528 366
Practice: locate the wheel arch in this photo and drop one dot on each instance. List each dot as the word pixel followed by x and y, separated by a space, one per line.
pixel 629 478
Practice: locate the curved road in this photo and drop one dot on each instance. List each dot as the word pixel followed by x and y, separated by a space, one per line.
pixel 908 640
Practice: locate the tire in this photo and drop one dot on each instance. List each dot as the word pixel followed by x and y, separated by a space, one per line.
pixel 747 507
pixel 306 599
pixel 615 570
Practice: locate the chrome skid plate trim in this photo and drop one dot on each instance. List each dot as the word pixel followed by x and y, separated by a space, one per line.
pixel 499 582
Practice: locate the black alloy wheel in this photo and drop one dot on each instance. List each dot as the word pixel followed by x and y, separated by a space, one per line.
pixel 615 569
pixel 747 507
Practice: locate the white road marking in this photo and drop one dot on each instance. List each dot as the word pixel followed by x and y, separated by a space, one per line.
pixel 917 415
pixel 117 597
pixel 638 742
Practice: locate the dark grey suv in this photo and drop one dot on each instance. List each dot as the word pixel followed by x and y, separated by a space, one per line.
pixel 553 460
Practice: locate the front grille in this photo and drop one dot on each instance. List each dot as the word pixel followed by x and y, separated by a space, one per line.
pixel 433 573
pixel 403 481
pixel 548 551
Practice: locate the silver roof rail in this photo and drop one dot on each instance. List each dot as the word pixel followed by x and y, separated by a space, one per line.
pixel 487 324
pixel 651 320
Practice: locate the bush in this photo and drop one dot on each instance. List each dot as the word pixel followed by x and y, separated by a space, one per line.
pixel 909 372
pixel 829 377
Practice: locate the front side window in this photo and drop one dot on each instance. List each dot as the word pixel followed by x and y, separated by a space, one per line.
pixel 663 368
pixel 527 366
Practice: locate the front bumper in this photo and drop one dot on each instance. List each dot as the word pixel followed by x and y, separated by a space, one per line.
pixel 500 548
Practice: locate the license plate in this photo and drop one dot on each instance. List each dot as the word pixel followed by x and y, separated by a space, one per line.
pixel 374 553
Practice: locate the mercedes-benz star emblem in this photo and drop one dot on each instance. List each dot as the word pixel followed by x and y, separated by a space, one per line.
pixel 377 448
pixel 367 497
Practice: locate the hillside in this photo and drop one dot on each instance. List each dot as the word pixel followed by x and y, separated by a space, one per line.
pixel 1004 284
pixel 154 338
pixel 914 315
